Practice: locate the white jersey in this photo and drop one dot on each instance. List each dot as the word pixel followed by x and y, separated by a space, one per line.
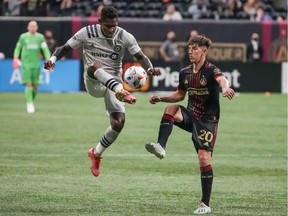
pixel 108 51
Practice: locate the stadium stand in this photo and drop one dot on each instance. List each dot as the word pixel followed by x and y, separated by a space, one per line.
pixel 225 9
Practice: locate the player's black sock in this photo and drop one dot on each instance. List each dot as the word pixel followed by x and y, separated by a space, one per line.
pixel 165 129
pixel 206 183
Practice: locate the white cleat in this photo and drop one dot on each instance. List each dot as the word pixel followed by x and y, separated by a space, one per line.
pixel 156 149
pixel 30 108
pixel 202 209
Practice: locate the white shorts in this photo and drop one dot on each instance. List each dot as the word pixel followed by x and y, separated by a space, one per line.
pixel 98 90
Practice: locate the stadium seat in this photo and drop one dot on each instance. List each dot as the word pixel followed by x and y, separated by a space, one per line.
pixel 154 6
pixel 136 6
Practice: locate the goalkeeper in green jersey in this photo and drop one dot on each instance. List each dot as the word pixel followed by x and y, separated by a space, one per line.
pixel 29 47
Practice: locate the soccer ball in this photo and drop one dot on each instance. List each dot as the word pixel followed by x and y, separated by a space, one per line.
pixel 135 77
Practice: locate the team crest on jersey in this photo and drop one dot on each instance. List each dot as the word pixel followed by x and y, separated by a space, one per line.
pixel 216 71
pixel 203 81
pixel 117 48
pixel 186 81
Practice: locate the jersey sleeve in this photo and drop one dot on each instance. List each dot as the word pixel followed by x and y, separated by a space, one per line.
pixel 131 43
pixel 181 86
pixel 217 72
pixel 18 47
pixel 78 39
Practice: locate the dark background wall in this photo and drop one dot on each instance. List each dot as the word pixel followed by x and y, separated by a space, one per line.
pixel 273 34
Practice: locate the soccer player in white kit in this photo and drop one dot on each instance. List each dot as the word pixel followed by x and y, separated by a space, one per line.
pixel 103 47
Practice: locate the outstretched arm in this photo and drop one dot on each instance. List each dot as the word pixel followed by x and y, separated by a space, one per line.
pixel 17 52
pixel 146 64
pixel 226 90
pixel 58 54
pixel 174 97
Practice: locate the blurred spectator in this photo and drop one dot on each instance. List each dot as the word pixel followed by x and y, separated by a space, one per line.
pixel 12 7
pixel 193 33
pixel 261 15
pixel 42 7
pixel 169 49
pixel 172 14
pixel 254 49
pixel 2 56
pixel 198 9
pixel 97 11
pixel 250 8
pixel 29 8
pixel 280 18
pixel 54 7
pixel 51 42
pixel 65 7
pixel 231 8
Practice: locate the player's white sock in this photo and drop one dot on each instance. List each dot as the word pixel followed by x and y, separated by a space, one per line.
pixel 108 80
pixel 108 138
pixel 99 149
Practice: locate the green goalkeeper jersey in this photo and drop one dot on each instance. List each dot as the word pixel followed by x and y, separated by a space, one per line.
pixel 29 47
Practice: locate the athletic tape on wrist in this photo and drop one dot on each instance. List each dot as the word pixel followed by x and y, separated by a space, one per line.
pixel 53 59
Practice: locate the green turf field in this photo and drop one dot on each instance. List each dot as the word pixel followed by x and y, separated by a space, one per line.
pixel 44 169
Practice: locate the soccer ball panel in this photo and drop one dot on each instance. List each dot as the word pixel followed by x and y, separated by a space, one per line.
pixel 135 77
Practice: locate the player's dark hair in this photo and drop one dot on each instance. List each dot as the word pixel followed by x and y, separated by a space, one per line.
pixel 201 40
pixel 109 12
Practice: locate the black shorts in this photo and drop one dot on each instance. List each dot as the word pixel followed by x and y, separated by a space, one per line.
pixel 203 131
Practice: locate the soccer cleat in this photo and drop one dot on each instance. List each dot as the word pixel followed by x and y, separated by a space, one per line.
pixel 202 209
pixel 156 149
pixel 125 96
pixel 30 108
pixel 95 166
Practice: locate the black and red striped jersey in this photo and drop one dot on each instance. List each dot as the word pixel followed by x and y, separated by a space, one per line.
pixel 202 89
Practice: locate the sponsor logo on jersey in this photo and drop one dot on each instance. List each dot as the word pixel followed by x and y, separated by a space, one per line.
pixel 32 46
pixel 197 91
pixel 103 55
pixel 113 56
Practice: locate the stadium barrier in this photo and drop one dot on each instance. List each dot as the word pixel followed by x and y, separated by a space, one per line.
pixel 68 77
pixel 244 77
pixel 64 78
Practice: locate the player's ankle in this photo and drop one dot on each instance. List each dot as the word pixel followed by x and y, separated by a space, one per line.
pixel 118 88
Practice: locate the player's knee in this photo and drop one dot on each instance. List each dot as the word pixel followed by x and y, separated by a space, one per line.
pixel 90 71
pixel 118 124
pixel 172 110
pixel 204 159
pixel 92 68
pixel 29 85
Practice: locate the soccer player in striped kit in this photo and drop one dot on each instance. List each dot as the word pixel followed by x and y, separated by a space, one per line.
pixel 201 81
pixel 103 47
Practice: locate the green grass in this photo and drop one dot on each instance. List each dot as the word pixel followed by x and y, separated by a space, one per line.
pixel 44 169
